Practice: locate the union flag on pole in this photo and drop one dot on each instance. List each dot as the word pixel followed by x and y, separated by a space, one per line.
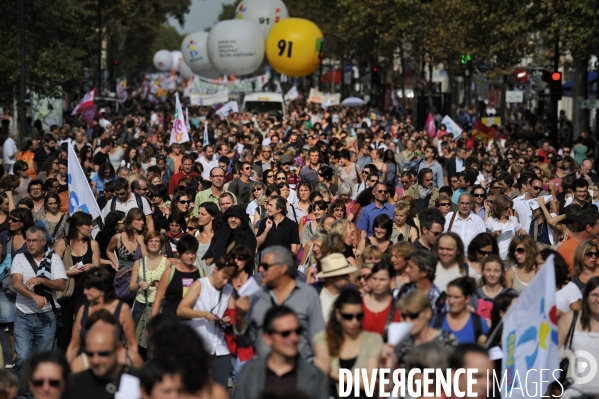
pixel 179 134
pixel 482 131
pixel 86 102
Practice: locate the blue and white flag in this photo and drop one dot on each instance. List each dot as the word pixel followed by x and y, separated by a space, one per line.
pixel 81 197
pixel 530 338
pixel 452 127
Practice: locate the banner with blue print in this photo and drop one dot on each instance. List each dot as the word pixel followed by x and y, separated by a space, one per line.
pixel 81 196
pixel 530 346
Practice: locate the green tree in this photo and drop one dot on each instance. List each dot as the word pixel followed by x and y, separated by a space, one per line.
pixel 56 46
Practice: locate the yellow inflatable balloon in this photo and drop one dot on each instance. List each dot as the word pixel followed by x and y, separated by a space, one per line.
pixel 294 47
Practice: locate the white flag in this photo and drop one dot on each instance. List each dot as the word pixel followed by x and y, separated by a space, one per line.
pixel 530 338
pixel 452 127
pixel 179 134
pixel 81 197
pixel 231 106
pixel 187 119
pixel 292 94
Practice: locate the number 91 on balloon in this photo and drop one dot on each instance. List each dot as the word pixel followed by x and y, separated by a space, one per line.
pixel 295 47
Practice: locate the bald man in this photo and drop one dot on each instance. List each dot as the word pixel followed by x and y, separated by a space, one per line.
pixel 106 376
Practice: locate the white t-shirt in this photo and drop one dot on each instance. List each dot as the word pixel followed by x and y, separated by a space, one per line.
pixel 508 232
pixel 567 296
pixel 20 265
pixel 208 166
pixel 126 207
pixel 445 276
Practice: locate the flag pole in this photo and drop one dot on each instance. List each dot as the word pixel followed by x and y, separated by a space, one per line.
pixel 495 332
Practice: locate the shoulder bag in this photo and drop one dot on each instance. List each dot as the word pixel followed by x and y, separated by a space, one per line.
pixel 69 288
pixel 565 354
pixel 9 290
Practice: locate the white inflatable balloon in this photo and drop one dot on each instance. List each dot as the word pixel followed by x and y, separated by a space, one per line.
pixel 185 71
pixel 235 47
pixel 163 60
pixel 177 59
pixel 265 13
pixel 195 52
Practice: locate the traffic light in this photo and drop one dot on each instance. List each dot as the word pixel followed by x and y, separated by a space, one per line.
pixel 555 85
pixel 375 74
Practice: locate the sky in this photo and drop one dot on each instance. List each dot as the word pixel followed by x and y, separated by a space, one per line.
pixel 202 14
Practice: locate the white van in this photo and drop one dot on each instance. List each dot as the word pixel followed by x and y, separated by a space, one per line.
pixel 273 103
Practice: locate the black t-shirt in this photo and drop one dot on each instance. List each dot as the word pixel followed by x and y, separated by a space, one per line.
pixel 86 385
pixel 285 234
pixel 274 383
pixel 100 158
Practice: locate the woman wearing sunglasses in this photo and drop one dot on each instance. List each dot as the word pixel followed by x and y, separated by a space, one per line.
pixel 48 375
pixel 344 343
pixel 503 225
pixel 12 242
pixel 182 203
pixel 585 264
pixel 522 254
pixel 268 177
pixel 257 189
pixel 480 205
pixel 481 246
pixel 442 203
pixel 206 303
pixel 415 307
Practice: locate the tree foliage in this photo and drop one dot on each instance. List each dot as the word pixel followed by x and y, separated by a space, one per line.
pixel 56 46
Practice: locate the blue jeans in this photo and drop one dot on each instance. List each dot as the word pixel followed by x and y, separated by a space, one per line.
pixel 237 365
pixel 33 333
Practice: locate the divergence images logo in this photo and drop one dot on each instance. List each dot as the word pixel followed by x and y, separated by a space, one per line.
pixel 584 367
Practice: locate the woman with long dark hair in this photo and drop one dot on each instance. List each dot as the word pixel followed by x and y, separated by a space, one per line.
pixel 49 169
pixel 104 174
pixel 344 343
pixel 481 246
pixel 128 242
pixel 12 242
pixel 208 224
pixel 100 294
pixel 55 222
pixel 522 256
pixel 79 253
pixel 113 223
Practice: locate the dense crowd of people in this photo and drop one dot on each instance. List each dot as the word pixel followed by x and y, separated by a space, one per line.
pixel 261 263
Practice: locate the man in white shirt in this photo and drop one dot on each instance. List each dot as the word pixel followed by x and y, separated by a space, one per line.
pixel 124 200
pixel 532 189
pixel 465 224
pixel 208 161
pixel 10 150
pixel 36 276
pixel 335 276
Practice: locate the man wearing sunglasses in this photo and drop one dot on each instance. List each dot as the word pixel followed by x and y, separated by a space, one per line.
pixel 281 370
pixel 431 227
pixel 367 178
pixel 532 186
pixel 370 212
pixel 279 287
pixel 104 378
pixel 124 200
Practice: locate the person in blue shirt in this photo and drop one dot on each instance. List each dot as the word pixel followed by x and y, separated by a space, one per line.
pixel 378 207
pixel 466 326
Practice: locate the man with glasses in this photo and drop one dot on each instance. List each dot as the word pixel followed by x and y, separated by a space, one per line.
pixel 242 185
pixel 37 193
pixel 369 177
pixel 370 212
pixel 464 223
pixel 292 179
pixel 36 276
pixel 431 227
pixel 281 371
pixel 212 194
pixel 186 172
pixel 279 287
pixel 124 200
pixel 532 187
pixel 208 161
pixel 104 378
